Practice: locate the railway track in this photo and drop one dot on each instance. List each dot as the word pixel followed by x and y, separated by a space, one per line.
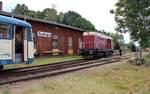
pixel 36 72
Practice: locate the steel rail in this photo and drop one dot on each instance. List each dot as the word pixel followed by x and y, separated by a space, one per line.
pixel 55 70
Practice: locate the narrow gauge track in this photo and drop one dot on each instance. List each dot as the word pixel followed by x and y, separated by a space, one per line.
pixel 24 74
pixel 39 66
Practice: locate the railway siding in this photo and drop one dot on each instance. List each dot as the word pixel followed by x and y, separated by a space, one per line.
pixel 44 60
pixel 52 69
pixel 113 78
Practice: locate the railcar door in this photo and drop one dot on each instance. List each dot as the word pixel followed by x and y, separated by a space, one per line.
pixel 19 44
pixel 30 46
pixel 25 46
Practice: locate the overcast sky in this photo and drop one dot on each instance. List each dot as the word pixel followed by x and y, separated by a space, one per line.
pixel 97 11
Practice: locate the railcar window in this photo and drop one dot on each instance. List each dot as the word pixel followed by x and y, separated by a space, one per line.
pixel 25 34
pixel 29 35
pixel 34 39
pixel 4 31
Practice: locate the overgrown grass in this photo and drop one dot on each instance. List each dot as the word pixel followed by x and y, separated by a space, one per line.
pixel 147 58
pixel 116 79
pixel 45 60
pixel 122 79
pixel 6 92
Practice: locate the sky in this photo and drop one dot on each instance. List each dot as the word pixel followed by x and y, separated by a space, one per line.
pixel 96 11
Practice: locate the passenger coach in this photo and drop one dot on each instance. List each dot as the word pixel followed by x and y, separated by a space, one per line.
pixel 16 42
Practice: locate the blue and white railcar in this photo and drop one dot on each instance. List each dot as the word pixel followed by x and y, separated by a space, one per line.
pixel 16 41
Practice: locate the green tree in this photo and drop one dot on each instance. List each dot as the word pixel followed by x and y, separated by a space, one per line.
pixel 70 17
pixel 50 14
pixel 118 38
pixel 133 16
pixel 40 15
pixel 32 14
pixel 74 19
pixel 60 17
pixel 20 9
pixel 83 23
pixel 47 14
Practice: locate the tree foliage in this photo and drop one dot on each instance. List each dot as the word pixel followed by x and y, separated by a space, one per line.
pixel 118 38
pixel 133 16
pixel 50 14
pixel 60 17
pixel 74 19
pixel 20 9
pixel 70 17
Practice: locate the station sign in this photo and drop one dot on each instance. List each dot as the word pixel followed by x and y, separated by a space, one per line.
pixel 44 34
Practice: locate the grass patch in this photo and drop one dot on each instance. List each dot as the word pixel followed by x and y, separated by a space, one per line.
pixel 147 58
pixel 116 79
pixel 122 79
pixel 44 60
pixel 6 92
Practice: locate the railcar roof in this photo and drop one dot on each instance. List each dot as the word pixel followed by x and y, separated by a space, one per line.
pixel 14 21
pixel 97 34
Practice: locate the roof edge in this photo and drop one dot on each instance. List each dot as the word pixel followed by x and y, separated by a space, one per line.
pixel 40 20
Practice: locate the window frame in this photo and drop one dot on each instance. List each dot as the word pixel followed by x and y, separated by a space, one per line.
pixel 55 40
pixel 70 42
pixel 9 31
pixel 29 34
pixel 80 43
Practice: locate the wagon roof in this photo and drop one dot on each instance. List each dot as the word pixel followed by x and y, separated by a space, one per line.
pixel 97 34
pixel 40 20
pixel 14 21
